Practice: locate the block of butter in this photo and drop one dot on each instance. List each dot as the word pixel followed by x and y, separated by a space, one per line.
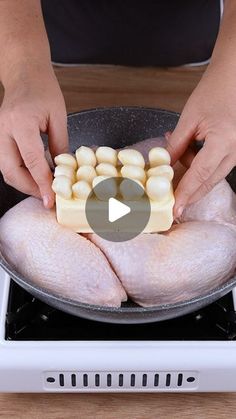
pixel 76 177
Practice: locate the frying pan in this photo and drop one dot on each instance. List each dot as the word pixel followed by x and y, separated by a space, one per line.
pixel 116 127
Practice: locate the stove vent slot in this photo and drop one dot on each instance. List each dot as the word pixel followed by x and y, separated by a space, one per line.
pixel 85 380
pixel 73 380
pixel 156 380
pixel 61 380
pixel 109 380
pixel 180 380
pixel 118 380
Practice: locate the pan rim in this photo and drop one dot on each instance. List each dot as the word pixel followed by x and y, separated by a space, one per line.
pixel 123 108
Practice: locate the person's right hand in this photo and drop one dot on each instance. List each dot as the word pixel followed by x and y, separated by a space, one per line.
pixel 33 103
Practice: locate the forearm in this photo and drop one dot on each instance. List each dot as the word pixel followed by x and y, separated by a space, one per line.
pixel 23 39
pixel 224 54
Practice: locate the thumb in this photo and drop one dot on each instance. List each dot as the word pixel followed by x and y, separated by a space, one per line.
pixel 58 134
pixel 178 141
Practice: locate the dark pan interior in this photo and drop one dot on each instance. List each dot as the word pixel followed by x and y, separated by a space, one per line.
pixel 116 127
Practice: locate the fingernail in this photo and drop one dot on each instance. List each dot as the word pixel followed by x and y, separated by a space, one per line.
pixel 46 201
pixel 179 211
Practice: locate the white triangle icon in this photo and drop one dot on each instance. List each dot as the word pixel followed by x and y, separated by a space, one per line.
pixel 116 210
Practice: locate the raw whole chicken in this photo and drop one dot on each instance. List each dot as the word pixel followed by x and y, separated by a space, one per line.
pixel 194 256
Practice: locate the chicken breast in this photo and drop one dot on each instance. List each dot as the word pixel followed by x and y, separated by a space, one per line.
pixel 54 258
pixel 184 263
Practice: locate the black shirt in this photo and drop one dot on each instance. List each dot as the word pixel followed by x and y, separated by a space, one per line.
pixel 150 32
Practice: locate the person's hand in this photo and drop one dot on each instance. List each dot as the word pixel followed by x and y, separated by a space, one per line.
pixel 32 103
pixel 210 115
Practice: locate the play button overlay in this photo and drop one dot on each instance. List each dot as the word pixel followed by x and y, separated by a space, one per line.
pixel 118 209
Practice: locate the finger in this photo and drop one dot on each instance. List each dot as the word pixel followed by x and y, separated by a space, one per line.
pixel 58 134
pixel 202 168
pixel 221 172
pixel 187 157
pixel 32 151
pixel 13 171
pixel 180 138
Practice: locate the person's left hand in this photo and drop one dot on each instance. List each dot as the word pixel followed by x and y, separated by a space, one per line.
pixel 210 115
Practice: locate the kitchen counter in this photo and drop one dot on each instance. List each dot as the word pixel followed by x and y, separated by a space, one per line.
pixel 86 87
pixel 111 406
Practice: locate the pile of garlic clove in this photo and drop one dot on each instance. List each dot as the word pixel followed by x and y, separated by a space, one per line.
pixel 76 176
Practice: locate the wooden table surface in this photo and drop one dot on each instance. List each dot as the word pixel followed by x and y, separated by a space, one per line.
pixel 87 87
